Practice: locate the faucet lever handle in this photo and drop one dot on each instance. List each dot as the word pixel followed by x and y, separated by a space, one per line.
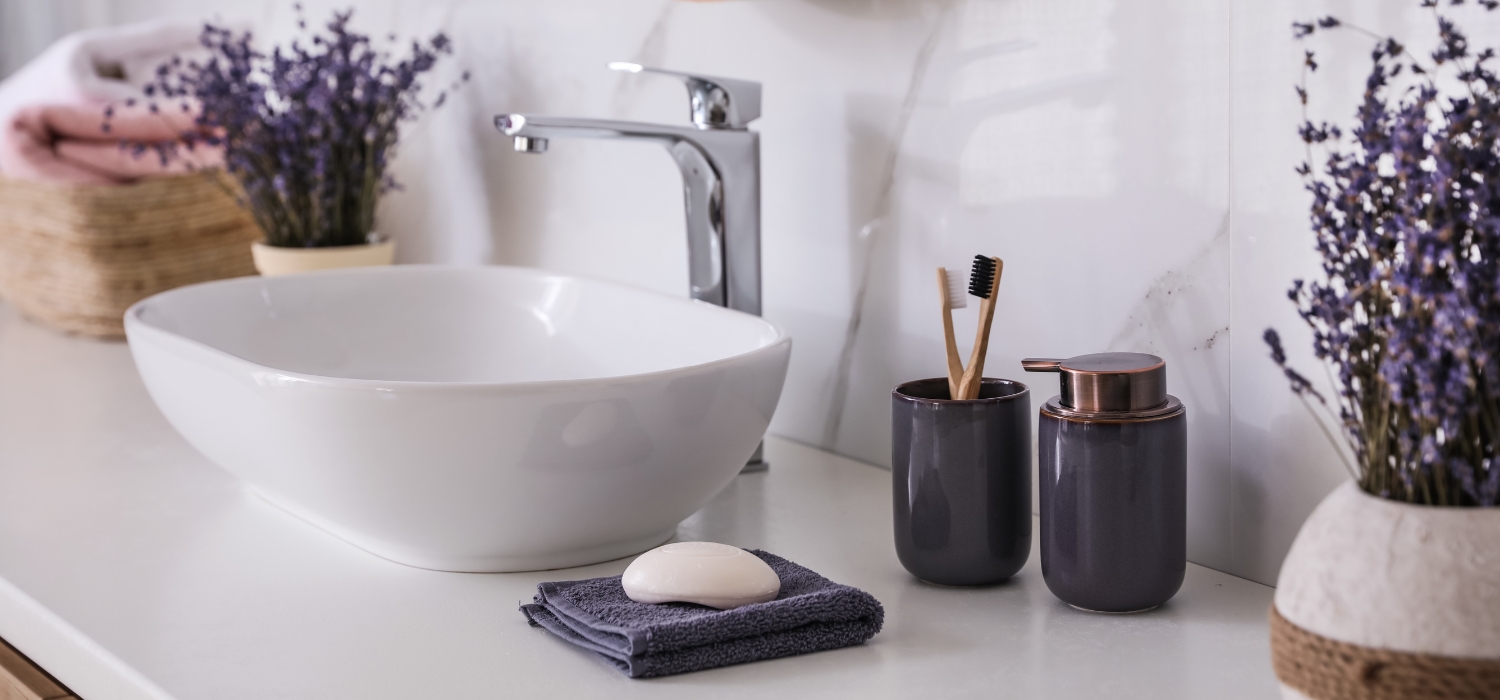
pixel 717 103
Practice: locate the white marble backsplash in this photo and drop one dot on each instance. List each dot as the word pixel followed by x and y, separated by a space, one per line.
pixel 1130 160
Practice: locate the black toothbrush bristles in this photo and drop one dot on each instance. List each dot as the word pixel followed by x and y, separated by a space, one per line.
pixel 982 279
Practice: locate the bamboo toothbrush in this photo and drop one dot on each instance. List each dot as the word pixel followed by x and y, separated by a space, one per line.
pixel 951 287
pixel 983 283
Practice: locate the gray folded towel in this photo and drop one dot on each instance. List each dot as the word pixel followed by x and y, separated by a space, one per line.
pixel 644 640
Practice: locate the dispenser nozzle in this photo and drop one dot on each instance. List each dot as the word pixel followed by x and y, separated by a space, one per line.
pixel 1041 364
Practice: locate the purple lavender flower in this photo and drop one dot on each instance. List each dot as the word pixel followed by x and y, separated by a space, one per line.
pixel 1406 216
pixel 307 130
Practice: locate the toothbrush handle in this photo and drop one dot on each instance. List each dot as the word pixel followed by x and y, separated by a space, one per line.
pixel 968 388
pixel 955 366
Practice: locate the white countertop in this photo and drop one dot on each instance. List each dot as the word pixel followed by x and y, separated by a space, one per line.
pixel 131 567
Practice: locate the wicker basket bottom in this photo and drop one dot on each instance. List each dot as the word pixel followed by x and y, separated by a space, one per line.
pixel 74 258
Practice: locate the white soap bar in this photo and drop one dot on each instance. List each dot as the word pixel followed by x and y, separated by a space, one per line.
pixel 706 573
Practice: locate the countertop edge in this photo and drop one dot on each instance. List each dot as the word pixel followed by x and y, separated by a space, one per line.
pixel 77 661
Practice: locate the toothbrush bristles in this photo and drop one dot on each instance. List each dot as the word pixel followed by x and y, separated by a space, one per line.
pixel 982 280
pixel 956 297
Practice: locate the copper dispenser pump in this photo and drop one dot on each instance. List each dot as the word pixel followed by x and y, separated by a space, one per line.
pixel 1112 384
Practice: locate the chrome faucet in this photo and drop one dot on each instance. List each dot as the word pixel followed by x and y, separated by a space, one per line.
pixel 720 163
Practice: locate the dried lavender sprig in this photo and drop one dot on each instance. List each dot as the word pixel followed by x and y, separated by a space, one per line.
pixel 1407 315
pixel 308 130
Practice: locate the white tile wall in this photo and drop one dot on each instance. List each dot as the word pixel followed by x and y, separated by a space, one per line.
pixel 1130 160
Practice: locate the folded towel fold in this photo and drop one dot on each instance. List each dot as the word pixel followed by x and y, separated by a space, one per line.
pixel 52 110
pixel 66 143
pixel 645 640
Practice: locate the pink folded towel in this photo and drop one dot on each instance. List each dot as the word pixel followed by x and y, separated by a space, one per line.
pixel 66 143
pixel 52 110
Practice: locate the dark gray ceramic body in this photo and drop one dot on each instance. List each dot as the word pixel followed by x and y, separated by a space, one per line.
pixel 962 481
pixel 1114 510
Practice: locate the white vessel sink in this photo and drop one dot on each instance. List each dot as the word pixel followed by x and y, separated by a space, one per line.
pixel 465 419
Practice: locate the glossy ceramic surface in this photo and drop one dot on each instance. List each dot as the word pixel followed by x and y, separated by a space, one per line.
pixel 1113 510
pixel 961 481
pixel 465 419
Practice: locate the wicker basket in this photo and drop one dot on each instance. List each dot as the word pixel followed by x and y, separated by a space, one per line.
pixel 74 257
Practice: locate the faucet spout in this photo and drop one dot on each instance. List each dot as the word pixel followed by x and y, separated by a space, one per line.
pixel 720 170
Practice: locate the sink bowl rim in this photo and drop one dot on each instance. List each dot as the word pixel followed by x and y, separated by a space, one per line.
pixel 136 327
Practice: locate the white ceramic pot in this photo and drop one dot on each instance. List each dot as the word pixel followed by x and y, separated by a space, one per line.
pixel 272 260
pixel 1392 577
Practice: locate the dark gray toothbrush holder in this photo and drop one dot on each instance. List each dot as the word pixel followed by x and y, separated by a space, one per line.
pixel 961 475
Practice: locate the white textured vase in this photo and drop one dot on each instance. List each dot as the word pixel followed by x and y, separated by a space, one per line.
pixel 1395 576
pixel 272 260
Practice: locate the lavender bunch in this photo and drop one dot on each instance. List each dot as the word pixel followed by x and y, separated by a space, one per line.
pixel 308 131
pixel 1407 315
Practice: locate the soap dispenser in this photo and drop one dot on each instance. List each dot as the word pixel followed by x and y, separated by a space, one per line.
pixel 1112 462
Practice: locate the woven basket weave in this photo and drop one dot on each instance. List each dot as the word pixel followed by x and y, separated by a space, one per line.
pixel 74 257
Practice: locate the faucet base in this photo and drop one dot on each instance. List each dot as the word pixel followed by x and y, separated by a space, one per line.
pixel 757 462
